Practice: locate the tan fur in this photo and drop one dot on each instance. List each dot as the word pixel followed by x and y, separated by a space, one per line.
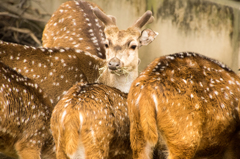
pixel 190 102
pixel 24 117
pixel 119 46
pixel 103 128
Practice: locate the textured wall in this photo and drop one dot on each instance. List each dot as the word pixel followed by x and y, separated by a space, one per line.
pixel 205 26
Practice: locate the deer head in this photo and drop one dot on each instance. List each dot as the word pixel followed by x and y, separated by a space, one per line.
pixel 122 49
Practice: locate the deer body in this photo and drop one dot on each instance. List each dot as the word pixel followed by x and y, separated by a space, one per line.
pixel 187 102
pixel 24 117
pixel 74 25
pixel 91 120
pixel 55 69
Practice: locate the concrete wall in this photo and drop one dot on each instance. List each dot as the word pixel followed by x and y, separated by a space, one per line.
pixel 209 27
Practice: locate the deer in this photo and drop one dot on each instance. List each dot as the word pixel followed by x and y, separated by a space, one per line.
pixel 77 18
pixel 91 120
pixel 55 70
pixel 187 104
pixel 24 117
pixel 74 25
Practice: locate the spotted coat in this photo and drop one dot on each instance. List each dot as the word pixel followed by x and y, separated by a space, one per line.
pixel 186 101
pixel 91 121
pixel 55 69
pixel 25 113
pixel 74 25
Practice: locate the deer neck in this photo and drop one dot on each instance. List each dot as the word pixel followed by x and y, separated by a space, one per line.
pixel 121 82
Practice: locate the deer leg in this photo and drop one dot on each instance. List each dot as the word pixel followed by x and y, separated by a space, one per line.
pixel 26 150
pixel 181 151
pixel 61 154
pixel 96 142
pixel 141 149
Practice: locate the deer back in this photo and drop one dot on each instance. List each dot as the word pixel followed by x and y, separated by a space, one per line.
pixel 55 70
pixel 91 118
pixel 74 25
pixel 24 117
pixel 189 100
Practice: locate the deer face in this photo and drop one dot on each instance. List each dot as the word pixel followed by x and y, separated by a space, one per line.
pixel 122 45
pixel 121 49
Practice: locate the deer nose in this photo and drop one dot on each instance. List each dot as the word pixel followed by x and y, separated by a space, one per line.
pixel 114 64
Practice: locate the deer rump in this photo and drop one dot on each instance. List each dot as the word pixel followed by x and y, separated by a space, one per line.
pixel 186 101
pixel 91 121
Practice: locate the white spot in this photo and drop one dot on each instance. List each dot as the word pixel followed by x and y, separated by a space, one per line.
pixel 222 105
pixel 197 106
pixel 137 101
pixel 63 116
pixel 81 120
pixel 155 101
pixel 192 95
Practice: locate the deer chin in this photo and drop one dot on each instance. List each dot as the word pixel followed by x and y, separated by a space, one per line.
pixel 120 71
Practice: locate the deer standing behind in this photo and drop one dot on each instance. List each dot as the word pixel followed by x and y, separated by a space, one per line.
pixel 24 117
pixel 186 102
pixel 74 25
pixel 55 70
pixel 91 120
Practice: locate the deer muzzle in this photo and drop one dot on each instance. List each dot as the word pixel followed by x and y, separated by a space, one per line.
pixel 114 64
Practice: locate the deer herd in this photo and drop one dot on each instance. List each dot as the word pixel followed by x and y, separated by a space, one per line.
pixel 80 96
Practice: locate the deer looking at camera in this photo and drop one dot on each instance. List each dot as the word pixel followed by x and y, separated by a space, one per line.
pixel 74 25
pixel 122 50
pixel 91 119
pixel 186 102
pixel 24 117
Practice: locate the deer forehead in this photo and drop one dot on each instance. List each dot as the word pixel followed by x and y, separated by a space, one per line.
pixel 122 37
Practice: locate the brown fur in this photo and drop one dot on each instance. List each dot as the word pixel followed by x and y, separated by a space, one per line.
pixel 74 25
pixel 102 131
pixel 187 100
pixel 55 69
pixel 24 117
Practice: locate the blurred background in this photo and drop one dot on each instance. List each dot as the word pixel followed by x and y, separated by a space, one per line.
pixel 209 27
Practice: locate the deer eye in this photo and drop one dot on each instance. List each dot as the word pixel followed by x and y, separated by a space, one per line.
pixel 106 44
pixel 133 47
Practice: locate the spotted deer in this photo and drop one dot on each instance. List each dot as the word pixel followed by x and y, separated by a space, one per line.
pixel 24 117
pixel 187 103
pixel 91 120
pixel 55 70
pixel 74 25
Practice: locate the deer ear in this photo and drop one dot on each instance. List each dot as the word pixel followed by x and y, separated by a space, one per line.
pixel 147 36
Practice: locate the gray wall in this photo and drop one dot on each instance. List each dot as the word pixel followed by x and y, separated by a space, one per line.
pixel 209 27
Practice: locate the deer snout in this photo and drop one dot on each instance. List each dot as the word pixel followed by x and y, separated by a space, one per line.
pixel 114 64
